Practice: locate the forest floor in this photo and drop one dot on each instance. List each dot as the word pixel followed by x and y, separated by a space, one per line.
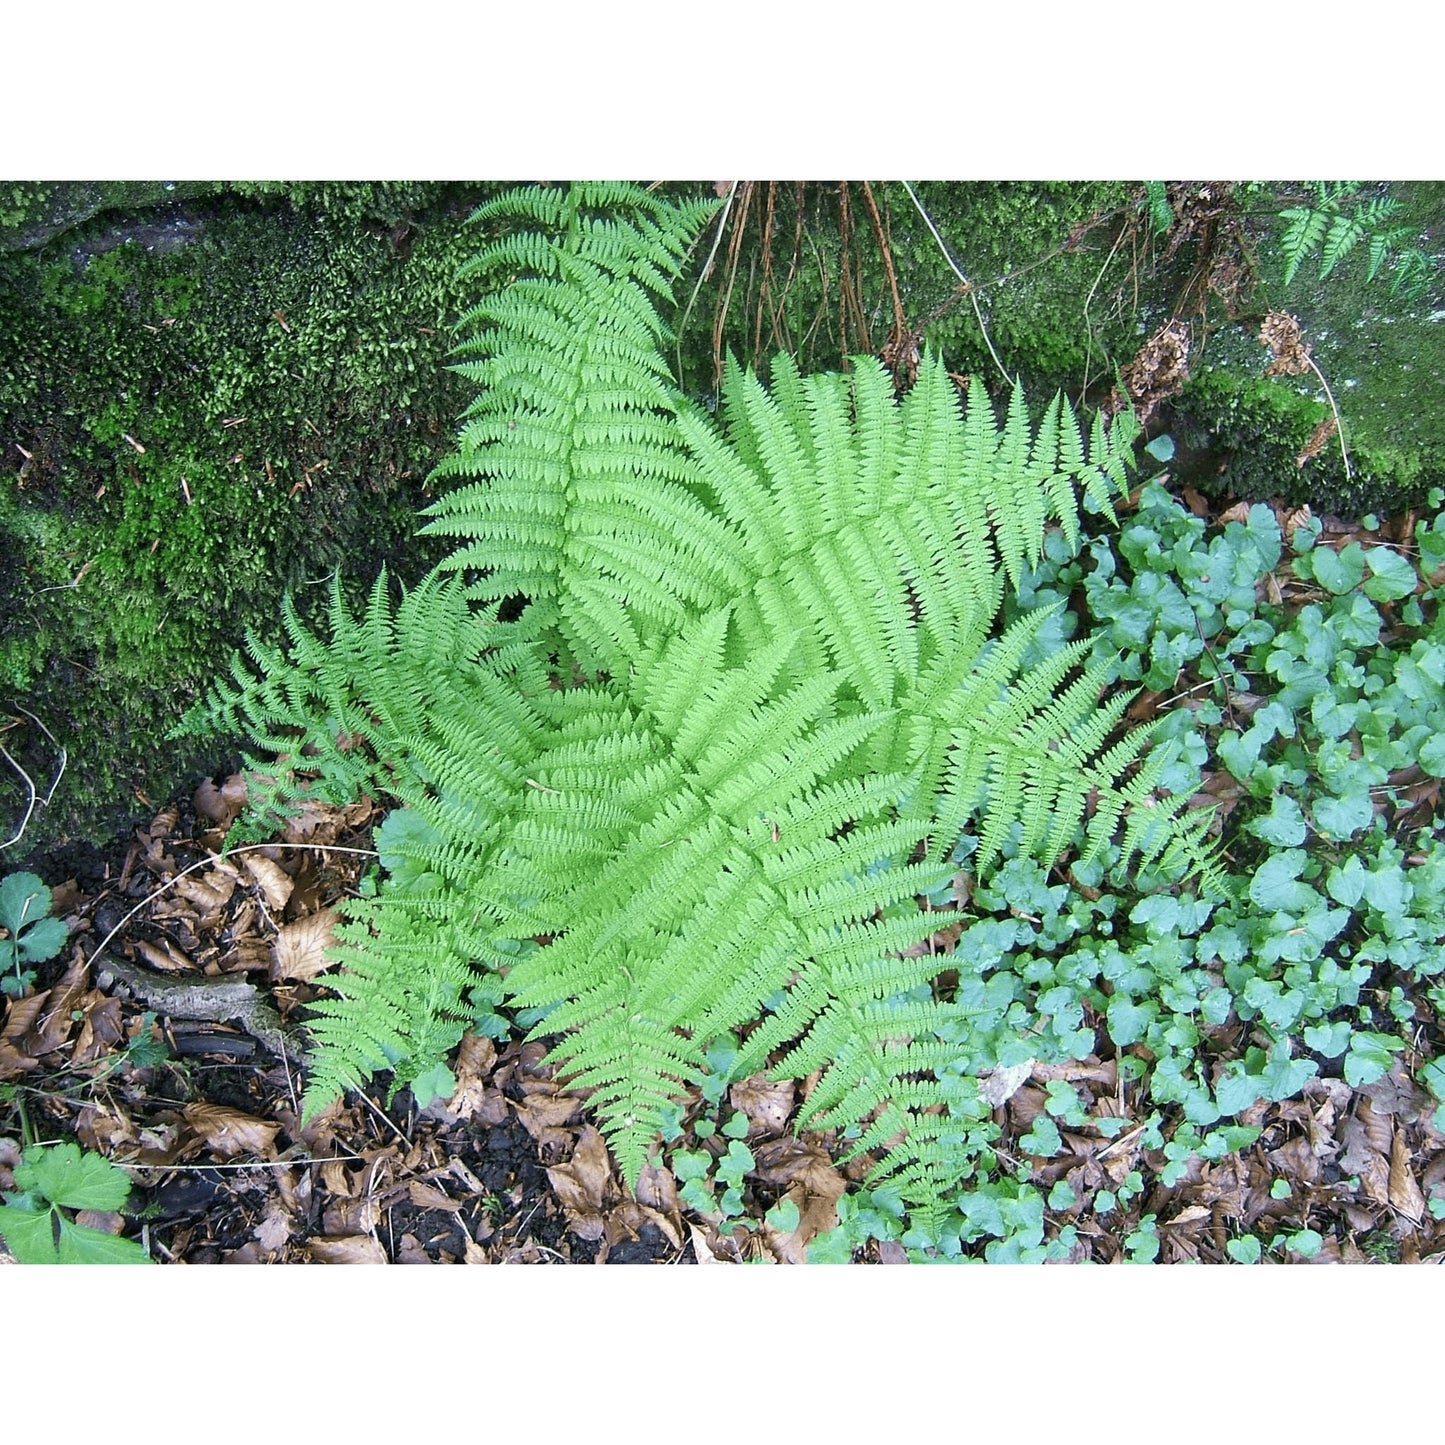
pixel 165 1037
pixel 126 1050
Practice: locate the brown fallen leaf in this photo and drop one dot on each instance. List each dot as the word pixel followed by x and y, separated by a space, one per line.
pixel 207 896
pixel 107 1221
pixel 347 1249
pixel 583 1185
pixel 20 1017
pixel 222 806
pixel 275 1227
pixel 541 1112
pixel 999 1085
pixel 409 1250
pixel 101 1029
pixel 51 1023
pixel 428 1196
pixel 322 823
pixel 700 1249
pixel 229 1132
pixel 164 957
pixel 809 1178
pixel 1404 1192
pixel 627 1220
pixel 766 1104
pixel 275 883
pixel 299 951
pixel 475 1098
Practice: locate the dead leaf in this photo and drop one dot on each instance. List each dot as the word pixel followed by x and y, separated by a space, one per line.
pixel 584 1184
pixel 475 1098
pixel 657 1188
pixel 999 1085
pixel 19 1019
pixel 700 1250
pixel 1404 1192
pixel 627 1221
pixel 766 1104
pixel 51 1022
pixel 299 951
pixel 810 1179
pixel 347 1249
pixel 275 1227
pixel 409 1251
pixel 275 883
pixel 101 1029
pixel 222 806
pixel 164 957
pixel 428 1196
pixel 323 823
pixel 540 1112
pixel 228 1132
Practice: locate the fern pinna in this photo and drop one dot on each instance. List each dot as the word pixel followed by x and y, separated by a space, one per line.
pixel 706 705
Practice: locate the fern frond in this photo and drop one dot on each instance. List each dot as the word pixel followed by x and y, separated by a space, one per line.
pixel 754 697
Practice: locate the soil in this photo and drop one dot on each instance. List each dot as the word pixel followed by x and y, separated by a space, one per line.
pixel 222 1170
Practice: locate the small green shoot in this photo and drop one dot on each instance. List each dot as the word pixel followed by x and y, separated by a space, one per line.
pixel 30 935
pixel 50 1181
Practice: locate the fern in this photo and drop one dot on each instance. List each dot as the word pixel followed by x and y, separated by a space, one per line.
pixel 748 694
pixel 1337 224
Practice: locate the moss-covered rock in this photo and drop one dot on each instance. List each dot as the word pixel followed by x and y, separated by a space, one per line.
pixel 203 405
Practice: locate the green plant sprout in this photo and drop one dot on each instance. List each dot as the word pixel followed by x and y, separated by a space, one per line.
pixel 51 1180
pixel 29 934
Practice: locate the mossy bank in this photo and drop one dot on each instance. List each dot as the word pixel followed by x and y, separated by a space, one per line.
pixel 212 393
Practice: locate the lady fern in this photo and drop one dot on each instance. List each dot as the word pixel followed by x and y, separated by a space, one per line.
pixel 705 708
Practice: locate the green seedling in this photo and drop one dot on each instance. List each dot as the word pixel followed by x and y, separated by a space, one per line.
pixel 30 935
pixel 50 1181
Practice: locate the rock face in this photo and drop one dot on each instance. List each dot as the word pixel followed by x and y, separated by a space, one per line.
pixel 33 213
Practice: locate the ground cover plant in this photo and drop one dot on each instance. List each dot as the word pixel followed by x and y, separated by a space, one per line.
pixel 1125 1051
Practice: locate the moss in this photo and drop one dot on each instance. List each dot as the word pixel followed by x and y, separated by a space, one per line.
pixel 207 426
pixel 1012 239
pixel 1383 357
pixel 1244 436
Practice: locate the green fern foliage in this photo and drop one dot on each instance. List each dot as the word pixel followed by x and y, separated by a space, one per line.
pixel 1338 222
pixel 699 708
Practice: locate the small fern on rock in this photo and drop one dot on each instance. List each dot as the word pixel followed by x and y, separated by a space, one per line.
pixel 1338 222
pixel 698 709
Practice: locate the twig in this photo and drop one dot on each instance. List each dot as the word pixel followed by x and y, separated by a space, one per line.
pixel 34 796
pixel 1339 424
pixel 722 221
pixel 29 807
pixel 970 289
pixel 1122 1140
pixel 1088 301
